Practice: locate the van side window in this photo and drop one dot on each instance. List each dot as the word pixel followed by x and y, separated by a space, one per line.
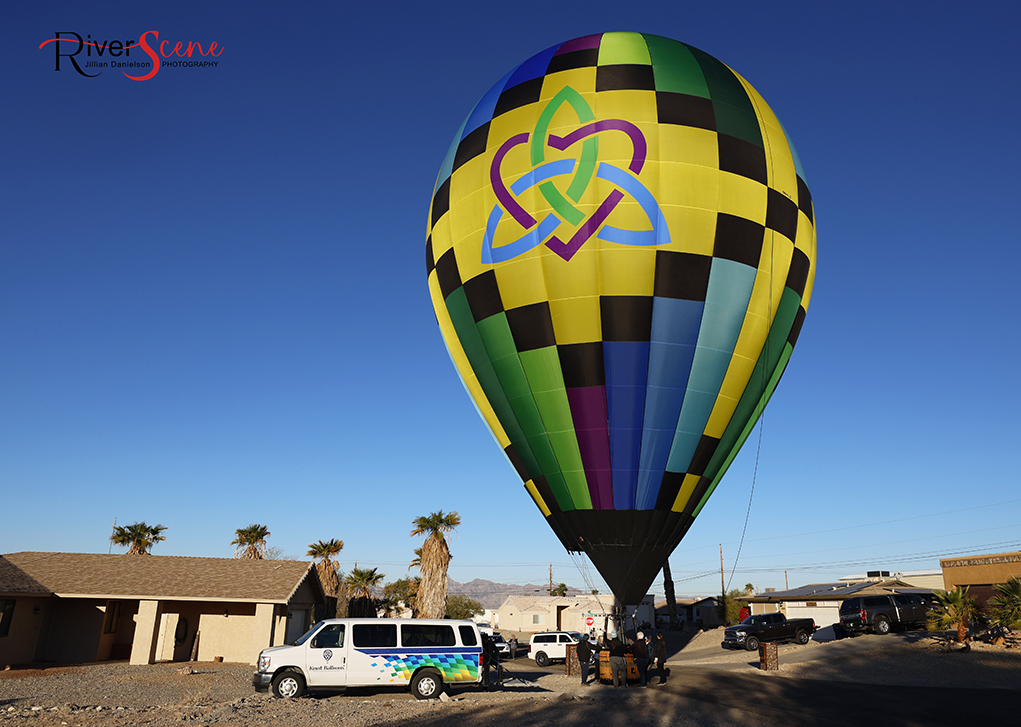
pixel 374 635
pixel 467 635
pixel 427 635
pixel 331 637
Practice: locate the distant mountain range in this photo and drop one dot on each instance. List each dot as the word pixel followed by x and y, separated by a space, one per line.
pixel 492 595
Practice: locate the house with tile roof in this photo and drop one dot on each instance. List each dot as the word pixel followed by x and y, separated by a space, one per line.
pixel 83 607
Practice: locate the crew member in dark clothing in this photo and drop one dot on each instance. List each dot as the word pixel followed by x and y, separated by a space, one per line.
pixel 584 658
pixel 640 651
pixel 659 654
pixel 618 666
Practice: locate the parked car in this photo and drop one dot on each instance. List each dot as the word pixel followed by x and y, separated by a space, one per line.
pixel 551 645
pixel 348 652
pixel 881 614
pixel 500 644
pixel 767 627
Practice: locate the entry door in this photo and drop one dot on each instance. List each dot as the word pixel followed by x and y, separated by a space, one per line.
pixel 326 657
pixel 296 621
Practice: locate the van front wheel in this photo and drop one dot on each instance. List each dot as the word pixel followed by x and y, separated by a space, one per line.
pixel 288 684
pixel 427 684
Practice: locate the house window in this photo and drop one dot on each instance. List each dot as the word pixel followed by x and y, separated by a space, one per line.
pixel 6 612
pixel 538 619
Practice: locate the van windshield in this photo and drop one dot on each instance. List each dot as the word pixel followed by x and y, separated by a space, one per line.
pixel 305 636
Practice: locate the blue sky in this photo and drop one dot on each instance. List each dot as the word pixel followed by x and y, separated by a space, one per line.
pixel 215 309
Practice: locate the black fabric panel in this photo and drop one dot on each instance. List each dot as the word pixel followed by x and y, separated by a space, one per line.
pixel 742 157
pixel 516 462
pixel 797 276
pixel 520 95
pixel 531 326
pixel 626 317
pixel 447 273
pixel 582 364
pixel 799 320
pixel 483 295
pixel 546 493
pixel 441 201
pixel 625 77
pixel 668 490
pixel 684 110
pixel 429 262
pixel 781 214
pixel 805 200
pixel 471 146
pixel 738 239
pixel 627 547
pixel 575 59
pixel 682 275
pixel 703 453
pixel 696 496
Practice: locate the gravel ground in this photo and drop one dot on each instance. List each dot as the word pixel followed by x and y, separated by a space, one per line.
pixel 120 695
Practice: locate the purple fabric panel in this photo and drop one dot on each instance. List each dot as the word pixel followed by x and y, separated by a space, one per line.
pixel 588 409
pixel 583 43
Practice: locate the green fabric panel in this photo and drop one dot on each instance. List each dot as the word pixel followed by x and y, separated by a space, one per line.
pixel 542 367
pixel 478 357
pixel 618 48
pixel 560 491
pixel 726 91
pixel 555 411
pixel 674 68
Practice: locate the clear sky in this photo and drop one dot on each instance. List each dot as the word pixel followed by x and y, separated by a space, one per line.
pixel 215 312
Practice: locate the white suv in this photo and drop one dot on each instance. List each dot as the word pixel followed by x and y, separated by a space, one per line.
pixel 550 645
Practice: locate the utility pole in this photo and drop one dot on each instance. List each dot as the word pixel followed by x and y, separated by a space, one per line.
pixel 723 591
pixel 551 579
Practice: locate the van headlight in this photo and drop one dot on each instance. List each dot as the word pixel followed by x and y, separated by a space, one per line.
pixel 263 662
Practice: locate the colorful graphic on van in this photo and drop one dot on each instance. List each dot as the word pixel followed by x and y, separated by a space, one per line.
pixel 455 667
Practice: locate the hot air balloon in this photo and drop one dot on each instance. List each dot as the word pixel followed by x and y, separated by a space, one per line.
pixel 620 254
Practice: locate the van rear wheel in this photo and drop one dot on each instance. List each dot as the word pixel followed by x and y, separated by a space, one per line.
pixel 426 684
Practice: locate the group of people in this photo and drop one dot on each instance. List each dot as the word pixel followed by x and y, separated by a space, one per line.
pixel 643 650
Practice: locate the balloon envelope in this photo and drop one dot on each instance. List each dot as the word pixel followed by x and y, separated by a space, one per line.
pixel 620 252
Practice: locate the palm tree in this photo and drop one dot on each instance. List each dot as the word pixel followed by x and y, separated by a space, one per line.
pixel 138 538
pixel 954 610
pixel 323 552
pixel 1006 604
pixel 251 542
pixel 432 596
pixel 360 583
pixel 416 562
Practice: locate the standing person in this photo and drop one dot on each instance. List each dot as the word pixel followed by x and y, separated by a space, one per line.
pixel 659 654
pixel 514 647
pixel 584 658
pixel 618 666
pixel 640 650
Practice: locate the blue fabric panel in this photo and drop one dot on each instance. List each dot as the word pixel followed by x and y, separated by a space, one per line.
pixel 447 168
pixel 731 282
pixel 484 109
pixel 534 67
pixel 626 364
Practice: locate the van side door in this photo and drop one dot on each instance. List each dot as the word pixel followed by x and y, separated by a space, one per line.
pixel 326 657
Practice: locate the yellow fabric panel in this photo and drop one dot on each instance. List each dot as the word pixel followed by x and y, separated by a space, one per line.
pixel 626 270
pixel 691 230
pixel 684 494
pixel 582 80
pixel 442 240
pixel 521 280
pixel 743 197
pixel 460 360
pixel 576 320
pixel 808 245
pixel 530 486
pixel 579 277
pixel 468 226
pixel 511 123
pixel 782 173
pixel 687 185
pixel 688 145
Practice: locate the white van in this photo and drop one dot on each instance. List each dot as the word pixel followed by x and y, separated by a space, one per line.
pixel 357 652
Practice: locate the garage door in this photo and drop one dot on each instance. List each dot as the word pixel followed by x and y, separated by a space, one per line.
pixel 823 615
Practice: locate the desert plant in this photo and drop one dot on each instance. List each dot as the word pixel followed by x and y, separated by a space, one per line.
pixel 138 538
pixel 953 610
pixel 432 594
pixel 251 542
pixel 1006 605
pixel 323 553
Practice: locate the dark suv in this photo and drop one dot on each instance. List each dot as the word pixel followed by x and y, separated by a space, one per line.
pixel 882 613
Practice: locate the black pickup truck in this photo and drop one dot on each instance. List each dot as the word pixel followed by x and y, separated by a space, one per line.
pixel 767 627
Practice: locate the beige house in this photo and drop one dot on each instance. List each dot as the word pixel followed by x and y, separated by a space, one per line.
pixel 82 607
pixel 532 614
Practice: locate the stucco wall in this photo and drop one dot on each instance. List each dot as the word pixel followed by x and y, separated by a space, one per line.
pixel 230 635
pixel 19 645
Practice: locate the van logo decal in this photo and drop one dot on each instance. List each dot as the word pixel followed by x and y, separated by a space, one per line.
pixel 328 654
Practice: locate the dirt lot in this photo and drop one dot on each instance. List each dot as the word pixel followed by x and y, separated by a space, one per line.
pixel 120 695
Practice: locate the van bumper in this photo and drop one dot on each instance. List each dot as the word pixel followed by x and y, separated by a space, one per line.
pixel 261 681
